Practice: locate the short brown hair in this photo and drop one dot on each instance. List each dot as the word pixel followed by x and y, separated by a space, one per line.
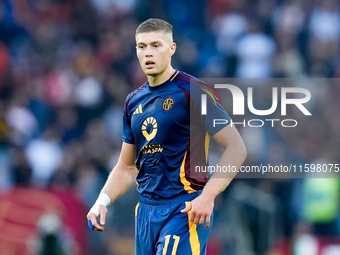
pixel 154 25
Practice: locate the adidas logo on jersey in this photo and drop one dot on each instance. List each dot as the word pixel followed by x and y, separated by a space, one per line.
pixel 139 110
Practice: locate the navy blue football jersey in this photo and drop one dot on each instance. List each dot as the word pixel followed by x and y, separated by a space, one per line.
pixel 159 121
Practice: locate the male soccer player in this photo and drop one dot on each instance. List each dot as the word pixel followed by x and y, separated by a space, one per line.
pixel 174 212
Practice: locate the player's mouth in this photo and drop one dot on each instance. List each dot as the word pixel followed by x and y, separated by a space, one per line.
pixel 149 64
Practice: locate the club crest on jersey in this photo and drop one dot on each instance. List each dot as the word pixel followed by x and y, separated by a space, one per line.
pixel 149 121
pixel 168 103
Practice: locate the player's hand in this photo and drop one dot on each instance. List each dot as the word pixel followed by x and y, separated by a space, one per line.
pixel 201 209
pixel 91 216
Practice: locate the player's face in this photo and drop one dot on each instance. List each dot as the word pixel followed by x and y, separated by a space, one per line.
pixel 154 51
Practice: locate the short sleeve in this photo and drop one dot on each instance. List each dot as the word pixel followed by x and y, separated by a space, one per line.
pixel 128 136
pixel 216 116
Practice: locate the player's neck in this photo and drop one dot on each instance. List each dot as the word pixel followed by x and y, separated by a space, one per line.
pixel 162 77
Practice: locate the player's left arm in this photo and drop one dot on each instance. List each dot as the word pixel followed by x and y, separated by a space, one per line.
pixel 234 155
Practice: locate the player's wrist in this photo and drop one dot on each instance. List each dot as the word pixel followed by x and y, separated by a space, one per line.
pixel 103 199
pixel 210 194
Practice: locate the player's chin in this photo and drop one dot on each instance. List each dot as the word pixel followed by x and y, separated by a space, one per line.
pixel 151 72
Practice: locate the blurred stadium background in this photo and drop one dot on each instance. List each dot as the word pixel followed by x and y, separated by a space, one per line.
pixel 65 69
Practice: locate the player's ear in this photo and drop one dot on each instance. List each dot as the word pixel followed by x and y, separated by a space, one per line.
pixel 172 48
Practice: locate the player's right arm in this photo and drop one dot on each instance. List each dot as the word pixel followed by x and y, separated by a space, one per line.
pixel 118 182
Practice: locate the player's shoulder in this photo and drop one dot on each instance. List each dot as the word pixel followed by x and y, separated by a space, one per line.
pixel 191 83
pixel 135 92
pixel 182 78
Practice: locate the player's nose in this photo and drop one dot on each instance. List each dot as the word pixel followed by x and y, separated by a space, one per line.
pixel 148 52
